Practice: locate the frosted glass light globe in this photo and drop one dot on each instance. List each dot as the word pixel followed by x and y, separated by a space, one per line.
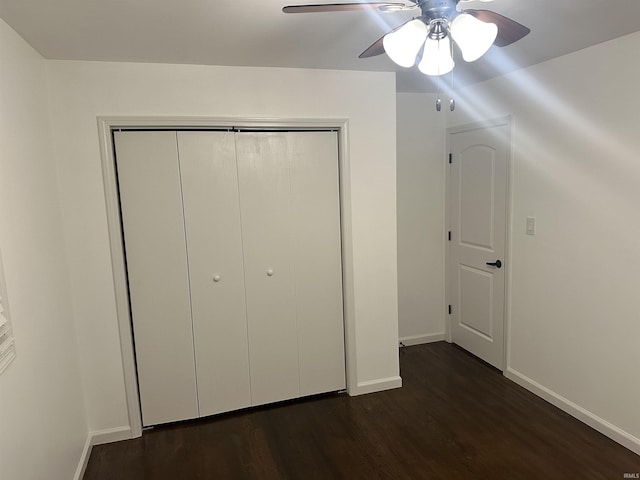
pixel 403 45
pixel 473 36
pixel 436 59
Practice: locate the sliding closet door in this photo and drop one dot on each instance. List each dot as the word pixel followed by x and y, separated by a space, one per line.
pixel 315 216
pixel 153 223
pixel 214 244
pixel 265 208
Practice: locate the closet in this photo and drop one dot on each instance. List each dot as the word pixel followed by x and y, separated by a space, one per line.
pixel 233 253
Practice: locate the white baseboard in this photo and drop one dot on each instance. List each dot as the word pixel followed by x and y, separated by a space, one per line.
pixel 110 435
pixel 378 385
pixel 614 433
pixel 421 339
pixel 84 459
pixel 98 438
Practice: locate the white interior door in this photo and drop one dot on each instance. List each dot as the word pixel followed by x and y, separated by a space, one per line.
pixel 289 197
pixel 477 196
pixel 265 209
pixel 315 204
pixel 216 271
pixel 234 262
pixel 153 224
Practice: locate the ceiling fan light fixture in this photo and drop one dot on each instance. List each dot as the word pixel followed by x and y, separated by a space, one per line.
pixel 436 59
pixel 473 36
pixel 403 45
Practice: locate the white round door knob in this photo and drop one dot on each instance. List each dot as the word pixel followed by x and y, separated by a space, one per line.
pixel 216 278
pixel 270 272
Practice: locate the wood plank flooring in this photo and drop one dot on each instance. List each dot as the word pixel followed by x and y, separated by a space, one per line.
pixel 455 418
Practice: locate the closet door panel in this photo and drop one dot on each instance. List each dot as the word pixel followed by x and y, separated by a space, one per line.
pixel 214 245
pixel 264 177
pixel 153 224
pixel 315 200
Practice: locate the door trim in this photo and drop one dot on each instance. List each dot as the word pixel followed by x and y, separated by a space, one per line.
pixel 107 124
pixel 508 122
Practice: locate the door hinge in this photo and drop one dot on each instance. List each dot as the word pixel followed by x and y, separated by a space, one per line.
pixel 451 158
pixel 450 310
pixel 449 235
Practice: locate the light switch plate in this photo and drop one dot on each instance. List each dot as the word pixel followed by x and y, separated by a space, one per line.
pixel 531 225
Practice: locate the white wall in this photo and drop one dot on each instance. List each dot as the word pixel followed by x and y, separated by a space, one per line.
pixel 81 91
pixel 575 308
pixel 42 413
pixel 421 184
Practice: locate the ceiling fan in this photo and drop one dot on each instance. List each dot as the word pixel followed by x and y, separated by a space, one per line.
pixel 428 38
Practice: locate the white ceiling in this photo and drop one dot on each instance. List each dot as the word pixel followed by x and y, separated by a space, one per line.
pixel 257 33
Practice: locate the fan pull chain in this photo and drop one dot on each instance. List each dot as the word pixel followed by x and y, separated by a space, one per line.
pixel 452 102
pixel 439 100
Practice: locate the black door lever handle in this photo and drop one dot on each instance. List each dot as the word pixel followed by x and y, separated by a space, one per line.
pixel 497 264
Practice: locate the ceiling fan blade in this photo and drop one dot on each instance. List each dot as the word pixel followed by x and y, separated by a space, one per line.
pixel 340 7
pixel 509 31
pixel 376 48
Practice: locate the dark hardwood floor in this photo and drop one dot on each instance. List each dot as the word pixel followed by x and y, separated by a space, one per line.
pixel 455 418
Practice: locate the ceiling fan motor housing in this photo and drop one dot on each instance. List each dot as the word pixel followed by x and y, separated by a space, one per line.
pixel 438 8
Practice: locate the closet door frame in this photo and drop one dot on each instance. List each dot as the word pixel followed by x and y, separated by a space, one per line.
pixel 108 125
